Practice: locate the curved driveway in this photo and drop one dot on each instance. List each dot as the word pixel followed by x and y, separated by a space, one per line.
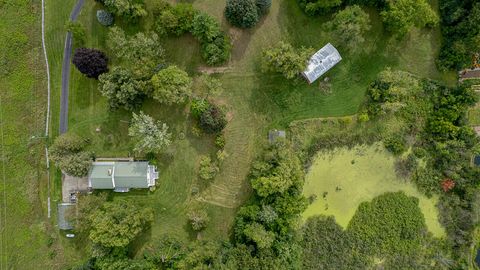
pixel 67 53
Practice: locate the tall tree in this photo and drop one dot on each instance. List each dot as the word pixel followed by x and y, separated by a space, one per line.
pixel 131 10
pixel 349 27
pixel 285 59
pixel 116 224
pixel 148 135
pixel 401 16
pixel 241 13
pixel 171 85
pixel 90 62
pixel 142 52
pixel 121 89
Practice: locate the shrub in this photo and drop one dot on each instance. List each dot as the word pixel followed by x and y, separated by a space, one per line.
pixel 104 17
pixel 218 51
pixel 263 6
pixel 213 120
pixel 166 23
pixel 205 28
pixel 241 13
pixel 208 170
pixel 220 141
pixel 78 32
pixel 90 62
pixel 395 144
pixel 349 27
pixel 198 106
pixel 319 7
pixel 184 14
pixel 198 219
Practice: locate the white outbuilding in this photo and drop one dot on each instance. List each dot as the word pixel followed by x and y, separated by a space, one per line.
pixel 322 61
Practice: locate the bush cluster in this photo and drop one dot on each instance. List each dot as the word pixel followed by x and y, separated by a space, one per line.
pixel 211 118
pixel 104 17
pixel 183 18
pixel 68 153
pixel 246 13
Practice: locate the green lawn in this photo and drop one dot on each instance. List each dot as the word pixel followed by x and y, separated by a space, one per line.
pixel 28 240
pixel 256 102
pixel 347 177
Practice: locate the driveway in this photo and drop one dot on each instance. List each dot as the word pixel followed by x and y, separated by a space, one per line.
pixel 67 53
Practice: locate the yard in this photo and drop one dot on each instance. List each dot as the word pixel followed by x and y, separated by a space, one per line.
pixel 256 102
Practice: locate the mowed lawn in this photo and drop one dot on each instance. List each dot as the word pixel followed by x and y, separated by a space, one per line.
pixel 343 179
pixel 256 102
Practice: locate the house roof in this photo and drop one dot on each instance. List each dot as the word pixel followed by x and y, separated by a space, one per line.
pixel 64 218
pixel 322 61
pixel 131 174
pixel 121 175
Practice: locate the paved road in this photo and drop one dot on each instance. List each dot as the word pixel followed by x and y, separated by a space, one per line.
pixel 67 53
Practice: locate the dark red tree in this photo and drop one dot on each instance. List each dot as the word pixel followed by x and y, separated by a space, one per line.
pixel 90 62
pixel 448 184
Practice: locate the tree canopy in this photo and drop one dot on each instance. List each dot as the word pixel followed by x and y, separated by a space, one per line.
pixel 67 151
pixel 149 136
pixel 401 15
pixel 91 62
pixel 121 89
pixel 241 13
pixel 171 85
pixel 285 59
pixel 116 224
pixel 349 27
pixel 142 52
pixel 131 10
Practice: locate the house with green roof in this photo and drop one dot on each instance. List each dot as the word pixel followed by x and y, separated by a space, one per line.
pixel 121 176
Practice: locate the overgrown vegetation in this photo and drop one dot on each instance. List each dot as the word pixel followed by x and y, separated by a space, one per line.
pixel 459 25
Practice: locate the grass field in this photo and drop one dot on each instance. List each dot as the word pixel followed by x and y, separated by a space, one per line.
pixel 27 237
pixel 256 102
pixel 347 177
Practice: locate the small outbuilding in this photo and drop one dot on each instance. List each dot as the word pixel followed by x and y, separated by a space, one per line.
pixel 65 215
pixel 273 135
pixel 121 176
pixel 321 62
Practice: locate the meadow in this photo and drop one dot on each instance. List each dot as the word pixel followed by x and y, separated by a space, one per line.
pixel 256 102
pixel 341 180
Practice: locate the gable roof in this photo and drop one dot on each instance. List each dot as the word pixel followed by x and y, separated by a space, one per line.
pixel 322 61
pixel 122 175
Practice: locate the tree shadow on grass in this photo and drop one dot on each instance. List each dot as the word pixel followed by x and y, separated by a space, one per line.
pixel 138 243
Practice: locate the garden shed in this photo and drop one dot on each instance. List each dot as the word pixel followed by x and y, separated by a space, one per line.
pixel 321 62
pixel 65 219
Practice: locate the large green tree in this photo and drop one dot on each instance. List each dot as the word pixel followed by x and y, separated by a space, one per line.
pixel 349 27
pixel 142 52
pixel 149 136
pixel 68 153
pixel 241 13
pixel 402 15
pixel 132 10
pixel 171 85
pixel 116 224
pixel 285 59
pixel 121 89
pixel 279 170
